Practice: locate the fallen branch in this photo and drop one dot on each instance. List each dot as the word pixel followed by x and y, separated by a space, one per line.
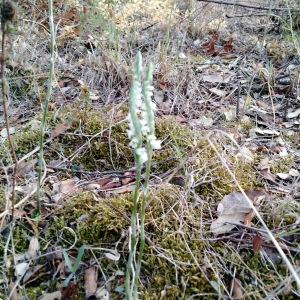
pixel 282 9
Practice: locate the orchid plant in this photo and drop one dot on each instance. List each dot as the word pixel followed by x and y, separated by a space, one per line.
pixel 143 141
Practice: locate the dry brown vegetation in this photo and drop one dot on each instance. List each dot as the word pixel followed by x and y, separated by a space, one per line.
pixel 226 82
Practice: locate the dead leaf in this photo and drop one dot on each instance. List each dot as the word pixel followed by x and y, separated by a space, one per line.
pixel 129 177
pixel 218 92
pixel 34 247
pixel 266 131
pixel 230 114
pixel 236 289
pixel 248 218
pixel 294 173
pixel 293 114
pixel 3 132
pixel 257 243
pixel 112 185
pixel 266 174
pixel 182 55
pixel 52 296
pixel 60 129
pixel 234 208
pixel 202 121
pixel 65 188
pixel 21 269
pixel 228 47
pixel 70 292
pixel 210 46
pixel 283 176
pixel 246 154
pixel 34 270
pixel 215 78
pixel 25 167
pixel 113 255
pixel 90 282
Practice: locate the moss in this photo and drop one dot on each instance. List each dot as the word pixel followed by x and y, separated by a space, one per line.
pixel 24 83
pixel 20 238
pixel 111 148
pixel 103 221
pixel 32 293
pixel 215 176
pixel 24 141
pixel 93 221
pixel 285 213
pixel 282 165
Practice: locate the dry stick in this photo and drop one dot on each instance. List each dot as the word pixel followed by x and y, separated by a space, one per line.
pixel 272 238
pixel 249 6
pixel 7 14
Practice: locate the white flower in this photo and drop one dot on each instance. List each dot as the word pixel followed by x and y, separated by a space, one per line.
pixel 134 142
pixel 142 154
pixel 154 142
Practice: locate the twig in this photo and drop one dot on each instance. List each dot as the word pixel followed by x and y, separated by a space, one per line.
pixel 249 6
pixel 7 14
pixel 246 15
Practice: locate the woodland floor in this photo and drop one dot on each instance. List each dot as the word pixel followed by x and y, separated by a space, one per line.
pixel 227 92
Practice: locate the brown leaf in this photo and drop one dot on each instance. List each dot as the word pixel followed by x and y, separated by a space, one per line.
pixel 65 188
pixel 266 174
pixel 209 47
pixel 256 195
pixel 90 282
pixel 59 129
pixel 103 181
pixel 129 177
pixel 68 186
pixel 70 292
pixel 232 209
pixel 257 243
pixel 25 167
pixel 236 289
pixel 235 208
pixel 248 218
pixel 112 185
pixel 228 47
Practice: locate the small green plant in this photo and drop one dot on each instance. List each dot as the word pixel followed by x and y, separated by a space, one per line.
pixel 73 268
pixel 143 141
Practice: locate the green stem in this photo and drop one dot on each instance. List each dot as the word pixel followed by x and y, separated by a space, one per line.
pixel 143 212
pixel 130 272
pixel 45 107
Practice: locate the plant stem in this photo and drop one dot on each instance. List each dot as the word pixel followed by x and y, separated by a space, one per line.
pixel 5 112
pixel 143 211
pixel 46 104
pixel 130 289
